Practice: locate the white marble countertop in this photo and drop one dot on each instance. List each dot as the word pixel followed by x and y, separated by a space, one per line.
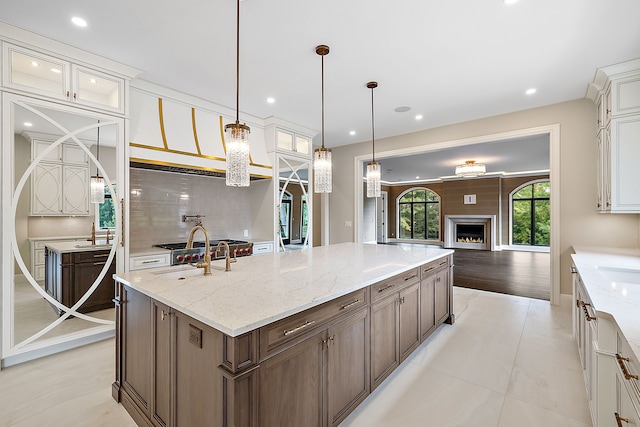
pixel 262 289
pixel 82 246
pixel 617 300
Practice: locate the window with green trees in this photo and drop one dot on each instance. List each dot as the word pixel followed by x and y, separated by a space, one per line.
pixel 419 215
pixel 106 212
pixel 531 215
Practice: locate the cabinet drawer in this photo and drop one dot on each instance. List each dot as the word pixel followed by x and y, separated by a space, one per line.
pixel 149 261
pixel 429 268
pixel 388 286
pixel 628 365
pixel 282 334
pixel 262 248
pixel 90 256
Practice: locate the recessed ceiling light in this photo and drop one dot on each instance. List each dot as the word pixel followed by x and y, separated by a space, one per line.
pixel 94 81
pixel 417 177
pixel 34 63
pixel 403 109
pixel 419 117
pixel 56 70
pixel 530 91
pixel 79 21
pixel 510 1
pixel 353 132
pixel 28 124
pixel 271 100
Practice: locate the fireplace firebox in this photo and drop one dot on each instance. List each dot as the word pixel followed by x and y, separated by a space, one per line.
pixel 470 233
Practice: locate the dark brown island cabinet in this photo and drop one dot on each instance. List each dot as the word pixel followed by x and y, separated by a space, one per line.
pixel 68 276
pixel 309 369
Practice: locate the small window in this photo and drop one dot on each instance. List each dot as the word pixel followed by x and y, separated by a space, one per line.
pixel 106 212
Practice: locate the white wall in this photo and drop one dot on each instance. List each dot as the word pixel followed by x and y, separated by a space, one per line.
pixel 580 224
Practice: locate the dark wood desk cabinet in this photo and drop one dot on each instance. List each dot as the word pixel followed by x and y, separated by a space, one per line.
pixel 68 276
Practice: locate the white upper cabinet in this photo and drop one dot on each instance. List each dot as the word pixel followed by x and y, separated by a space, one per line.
pixel 616 93
pixel 38 73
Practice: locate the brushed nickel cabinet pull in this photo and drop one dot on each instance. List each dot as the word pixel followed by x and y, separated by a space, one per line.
pixel 150 262
pixel 67 94
pixel 619 419
pixel 443 263
pixel 163 314
pixel 297 328
pixel 351 304
pixel 588 317
pixel 100 255
pixel 438 279
pixel 623 367
pixel 429 269
pixel 385 288
pixel 410 277
pixel 402 300
pixel 100 263
pixel 74 96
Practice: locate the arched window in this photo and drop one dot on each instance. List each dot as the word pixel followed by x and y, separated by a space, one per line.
pixel 530 214
pixel 419 215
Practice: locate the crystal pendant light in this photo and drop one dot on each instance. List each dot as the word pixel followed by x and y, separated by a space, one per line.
pixel 373 167
pixel 237 144
pixel 322 156
pixel 97 182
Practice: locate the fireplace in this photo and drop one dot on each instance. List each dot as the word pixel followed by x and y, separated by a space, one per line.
pixel 470 232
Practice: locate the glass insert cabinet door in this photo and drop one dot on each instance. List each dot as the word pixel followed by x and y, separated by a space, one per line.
pixel 293 222
pixel 57 289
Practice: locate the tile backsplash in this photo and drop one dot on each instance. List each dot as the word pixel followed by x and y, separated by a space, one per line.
pixel 158 200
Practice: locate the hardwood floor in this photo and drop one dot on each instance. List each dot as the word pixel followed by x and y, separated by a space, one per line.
pixel 523 274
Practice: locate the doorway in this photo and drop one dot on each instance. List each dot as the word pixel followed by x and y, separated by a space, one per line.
pixel 553 134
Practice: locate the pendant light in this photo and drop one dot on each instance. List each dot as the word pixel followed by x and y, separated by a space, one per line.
pixel 373 167
pixel 322 156
pixel 237 144
pixel 97 182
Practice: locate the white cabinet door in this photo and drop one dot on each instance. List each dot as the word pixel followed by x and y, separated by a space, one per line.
pixel 36 72
pixel 71 153
pixel 74 190
pixel 95 89
pixel 46 189
pixel 625 174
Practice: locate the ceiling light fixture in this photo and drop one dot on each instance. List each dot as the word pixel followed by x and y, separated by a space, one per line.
pixel 237 147
pixel 28 124
pixel 97 182
pixel 322 156
pixel 79 21
pixel 353 132
pixel 56 70
pixel 373 167
pixel 471 169
pixel 530 91
pixel 419 117
pixel 34 63
pixel 510 1
pixel 271 100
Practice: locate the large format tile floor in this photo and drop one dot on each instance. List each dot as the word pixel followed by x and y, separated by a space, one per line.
pixel 507 361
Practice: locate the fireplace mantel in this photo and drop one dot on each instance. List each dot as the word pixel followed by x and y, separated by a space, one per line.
pixel 450 222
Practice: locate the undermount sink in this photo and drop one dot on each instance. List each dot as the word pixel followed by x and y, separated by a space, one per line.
pixel 96 246
pixel 620 275
pixel 180 273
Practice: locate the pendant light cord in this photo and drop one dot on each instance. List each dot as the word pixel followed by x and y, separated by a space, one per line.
pixel 238 63
pixel 322 56
pixel 98 149
pixel 373 132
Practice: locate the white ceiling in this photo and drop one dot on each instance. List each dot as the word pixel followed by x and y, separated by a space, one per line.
pixel 450 61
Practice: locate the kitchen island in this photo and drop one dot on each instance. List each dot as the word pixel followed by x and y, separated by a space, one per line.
pixel 71 268
pixel 294 338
